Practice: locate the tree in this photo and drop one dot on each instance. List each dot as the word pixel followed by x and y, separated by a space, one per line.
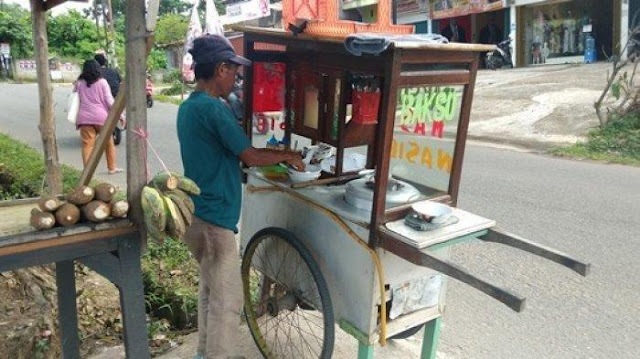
pixel 15 29
pixel 622 87
pixel 72 35
pixel 166 7
pixel 171 29
pixel 173 7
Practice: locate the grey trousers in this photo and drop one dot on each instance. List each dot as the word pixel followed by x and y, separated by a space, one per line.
pixel 220 293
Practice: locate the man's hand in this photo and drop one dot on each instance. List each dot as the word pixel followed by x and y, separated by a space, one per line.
pixel 263 157
pixel 296 162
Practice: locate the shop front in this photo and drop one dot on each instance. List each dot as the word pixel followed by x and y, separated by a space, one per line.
pixel 416 13
pixel 471 21
pixel 555 32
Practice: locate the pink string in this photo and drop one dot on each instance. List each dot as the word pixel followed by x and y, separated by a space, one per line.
pixel 142 133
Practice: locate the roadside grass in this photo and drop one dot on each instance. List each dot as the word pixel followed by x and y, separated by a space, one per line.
pixel 22 171
pixel 618 142
pixel 170 275
pixel 168 99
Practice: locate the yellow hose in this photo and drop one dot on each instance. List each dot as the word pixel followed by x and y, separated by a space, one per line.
pixel 374 255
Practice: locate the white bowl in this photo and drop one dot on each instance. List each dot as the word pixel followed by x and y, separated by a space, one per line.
pixel 309 174
pixel 433 212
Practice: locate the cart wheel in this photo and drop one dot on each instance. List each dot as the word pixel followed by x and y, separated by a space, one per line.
pixel 287 303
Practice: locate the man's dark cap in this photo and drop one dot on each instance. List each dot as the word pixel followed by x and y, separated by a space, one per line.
pixel 213 49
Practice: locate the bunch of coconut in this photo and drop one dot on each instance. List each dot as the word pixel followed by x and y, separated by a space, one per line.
pixel 83 204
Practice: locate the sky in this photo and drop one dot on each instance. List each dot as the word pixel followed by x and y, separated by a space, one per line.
pixel 56 10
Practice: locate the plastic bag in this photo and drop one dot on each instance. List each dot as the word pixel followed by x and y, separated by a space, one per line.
pixel 73 105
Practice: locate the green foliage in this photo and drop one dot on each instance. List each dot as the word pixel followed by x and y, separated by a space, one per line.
pixel 157 60
pixel 42 347
pixel 168 99
pixel 171 29
pixel 615 90
pixel 618 142
pixel 72 35
pixel 23 170
pixel 173 7
pixel 15 29
pixel 166 7
pixel 170 277
pixel 155 327
pixel 176 89
pixel 172 76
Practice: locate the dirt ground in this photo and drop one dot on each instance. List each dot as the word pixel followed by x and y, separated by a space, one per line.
pixel 537 107
pixel 28 313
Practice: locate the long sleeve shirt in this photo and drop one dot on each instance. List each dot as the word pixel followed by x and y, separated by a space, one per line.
pixel 95 102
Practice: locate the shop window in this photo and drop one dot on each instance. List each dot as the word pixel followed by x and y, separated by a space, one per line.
pixel 554 32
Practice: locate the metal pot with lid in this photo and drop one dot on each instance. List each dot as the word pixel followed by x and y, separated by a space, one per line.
pixel 359 193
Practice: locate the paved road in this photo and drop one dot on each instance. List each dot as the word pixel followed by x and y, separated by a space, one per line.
pixel 587 209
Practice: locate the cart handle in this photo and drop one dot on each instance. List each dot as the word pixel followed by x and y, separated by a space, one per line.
pixel 497 235
pixel 418 257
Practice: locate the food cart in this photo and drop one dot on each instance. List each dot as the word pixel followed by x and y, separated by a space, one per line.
pixel 349 247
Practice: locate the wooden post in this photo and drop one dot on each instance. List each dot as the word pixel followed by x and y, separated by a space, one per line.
pixel 136 107
pixel 47 125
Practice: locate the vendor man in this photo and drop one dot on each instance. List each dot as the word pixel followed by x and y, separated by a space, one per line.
pixel 212 145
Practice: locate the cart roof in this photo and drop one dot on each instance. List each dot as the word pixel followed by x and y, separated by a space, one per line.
pixel 405 45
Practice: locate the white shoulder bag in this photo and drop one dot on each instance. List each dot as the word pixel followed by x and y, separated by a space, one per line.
pixel 73 105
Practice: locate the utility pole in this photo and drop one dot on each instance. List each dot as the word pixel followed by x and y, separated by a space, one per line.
pixel 110 32
pixel 96 14
pixel 394 12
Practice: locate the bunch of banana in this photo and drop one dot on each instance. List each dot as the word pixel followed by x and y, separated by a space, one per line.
pixel 167 205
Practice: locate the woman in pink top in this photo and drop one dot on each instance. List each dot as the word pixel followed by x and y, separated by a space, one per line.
pixel 95 102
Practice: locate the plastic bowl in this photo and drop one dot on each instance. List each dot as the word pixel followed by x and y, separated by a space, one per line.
pixel 309 174
pixel 433 212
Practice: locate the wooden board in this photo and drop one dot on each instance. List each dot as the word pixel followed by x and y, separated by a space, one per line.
pixel 468 223
pixel 407 45
pixel 15 219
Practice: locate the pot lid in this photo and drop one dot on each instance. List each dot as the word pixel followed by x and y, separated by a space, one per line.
pixel 397 191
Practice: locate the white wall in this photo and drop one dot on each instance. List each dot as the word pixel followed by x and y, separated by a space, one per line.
pixel 624 25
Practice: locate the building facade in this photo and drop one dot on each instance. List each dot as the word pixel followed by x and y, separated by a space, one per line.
pixel 552 31
pixel 542 31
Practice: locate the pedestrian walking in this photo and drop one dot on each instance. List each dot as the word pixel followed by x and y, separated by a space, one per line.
pixel 211 145
pixel 95 102
pixel 111 75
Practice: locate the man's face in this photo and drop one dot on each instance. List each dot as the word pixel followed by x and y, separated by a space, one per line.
pixel 227 77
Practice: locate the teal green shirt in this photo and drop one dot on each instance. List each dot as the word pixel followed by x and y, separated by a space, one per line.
pixel 210 142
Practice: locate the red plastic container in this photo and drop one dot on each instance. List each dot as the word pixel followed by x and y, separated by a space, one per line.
pixel 365 107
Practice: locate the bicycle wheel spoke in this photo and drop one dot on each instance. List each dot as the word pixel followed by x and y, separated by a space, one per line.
pixel 308 345
pixel 310 332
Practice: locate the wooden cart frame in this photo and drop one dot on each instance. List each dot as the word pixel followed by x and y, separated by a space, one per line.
pixel 402 64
